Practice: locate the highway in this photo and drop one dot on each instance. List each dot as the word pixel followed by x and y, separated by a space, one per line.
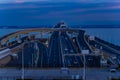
pixel 114 51
pixel 91 60
pixel 81 42
pixel 77 46
pixel 96 43
pixel 28 52
pixel 68 48
pixel 53 74
pixel 105 48
pixel 108 44
pixel 35 55
pixel 55 56
pixel 42 55
pixel 13 45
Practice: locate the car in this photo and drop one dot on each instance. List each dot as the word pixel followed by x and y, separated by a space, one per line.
pixel 112 70
pixel 19 41
pixel 114 57
pixel 65 49
pixel 64 70
pixel 71 51
pixel 75 62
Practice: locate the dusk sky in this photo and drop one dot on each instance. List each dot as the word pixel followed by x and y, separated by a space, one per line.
pixel 45 12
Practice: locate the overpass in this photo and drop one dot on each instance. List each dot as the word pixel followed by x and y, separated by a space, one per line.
pixel 57 51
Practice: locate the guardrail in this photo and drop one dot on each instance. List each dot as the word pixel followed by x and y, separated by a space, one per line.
pixel 5 53
pixel 88 44
pixel 116 51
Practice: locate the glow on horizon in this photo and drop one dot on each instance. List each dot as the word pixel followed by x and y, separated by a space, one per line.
pixel 18 1
pixel 86 1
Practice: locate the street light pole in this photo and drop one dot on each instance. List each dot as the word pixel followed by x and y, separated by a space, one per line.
pixel 84 71
pixel 84 52
pixel 22 63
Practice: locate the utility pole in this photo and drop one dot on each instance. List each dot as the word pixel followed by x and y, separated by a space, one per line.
pixel 22 63
pixel 84 52
pixel 84 71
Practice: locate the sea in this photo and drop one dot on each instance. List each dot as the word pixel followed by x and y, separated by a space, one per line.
pixel 108 34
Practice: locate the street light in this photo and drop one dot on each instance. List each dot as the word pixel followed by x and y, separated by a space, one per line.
pixel 84 71
pixel 22 63
pixel 84 52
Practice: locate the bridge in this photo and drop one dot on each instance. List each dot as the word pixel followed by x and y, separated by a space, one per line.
pixel 59 46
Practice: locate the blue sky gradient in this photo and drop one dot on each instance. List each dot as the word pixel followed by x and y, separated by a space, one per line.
pixel 40 12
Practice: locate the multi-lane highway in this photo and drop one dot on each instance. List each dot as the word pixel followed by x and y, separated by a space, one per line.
pixel 58 53
pixel 103 46
pixel 55 56
pixel 82 43
pixel 35 55
pixel 60 50
pixel 42 52
pixel 68 48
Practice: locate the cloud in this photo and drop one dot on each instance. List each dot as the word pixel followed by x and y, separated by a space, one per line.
pixel 50 12
pixel 80 1
pixel 88 9
pixel 29 6
pixel 19 1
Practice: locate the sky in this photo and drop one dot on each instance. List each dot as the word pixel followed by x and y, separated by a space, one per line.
pixel 49 12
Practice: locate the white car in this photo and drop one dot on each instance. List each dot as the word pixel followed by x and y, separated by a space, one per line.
pixel 65 49
pixel 112 70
